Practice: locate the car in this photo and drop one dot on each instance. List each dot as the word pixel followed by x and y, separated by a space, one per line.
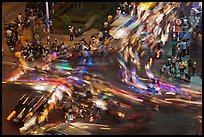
pixel 65 129
pixel 25 109
pixel 21 110
pixel 18 107
pixel 30 107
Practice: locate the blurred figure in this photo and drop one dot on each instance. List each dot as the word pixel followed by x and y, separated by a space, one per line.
pixel 80 31
pixel 188 47
pixel 181 67
pixel 174 44
pixel 48 39
pixel 50 22
pixel 194 68
pixel 71 32
pixel 190 66
pixel 19 18
pixel 183 44
pixel 179 51
pixel 8 33
pixel 173 62
pixel 27 44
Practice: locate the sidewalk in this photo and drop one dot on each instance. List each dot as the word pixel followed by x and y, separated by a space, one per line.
pixel 10 11
pixel 61 38
pixel 65 38
pixel 196 80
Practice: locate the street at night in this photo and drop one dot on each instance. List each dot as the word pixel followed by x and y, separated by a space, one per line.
pixel 102 68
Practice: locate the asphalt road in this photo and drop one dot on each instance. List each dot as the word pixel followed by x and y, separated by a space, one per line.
pixel 169 121
pixel 150 121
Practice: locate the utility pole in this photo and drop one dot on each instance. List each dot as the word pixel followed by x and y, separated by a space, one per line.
pixel 47 18
pixel 47 15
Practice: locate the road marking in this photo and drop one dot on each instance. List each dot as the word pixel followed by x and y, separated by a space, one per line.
pixel 30 84
pixel 88 124
pixel 104 128
pixel 17 82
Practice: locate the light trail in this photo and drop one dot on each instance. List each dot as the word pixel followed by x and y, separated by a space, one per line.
pixel 185 101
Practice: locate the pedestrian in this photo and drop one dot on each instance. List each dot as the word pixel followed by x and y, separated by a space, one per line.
pixel 62 45
pixel 19 18
pixel 185 21
pixel 48 39
pixel 20 30
pixel 8 33
pixel 181 14
pixel 173 62
pixel 179 51
pixel 190 66
pixel 162 71
pixel 199 37
pixel 181 67
pixel 27 44
pixel 71 32
pixel 166 68
pixel 174 44
pixel 170 65
pixel 188 47
pixel 50 22
pixel 183 44
pixel 55 42
pixel 19 46
pixel 194 68
pixel 80 31
pixel 44 28
pixel 185 65
pixel 173 71
pixel 16 35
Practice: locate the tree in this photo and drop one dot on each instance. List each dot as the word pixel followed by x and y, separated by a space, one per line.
pixel 103 5
pixel 80 8
pixel 65 21
pixel 77 5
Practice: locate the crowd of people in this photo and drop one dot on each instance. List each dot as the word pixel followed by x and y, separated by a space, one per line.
pixel 14 30
pixel 124 8
pixel 99 43
pixel 177 66
pixel 96 47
